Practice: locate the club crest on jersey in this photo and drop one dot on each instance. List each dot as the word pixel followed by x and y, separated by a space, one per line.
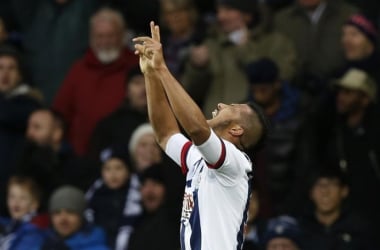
pixel 188 205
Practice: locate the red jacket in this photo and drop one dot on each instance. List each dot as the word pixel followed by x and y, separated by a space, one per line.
pixel 90 91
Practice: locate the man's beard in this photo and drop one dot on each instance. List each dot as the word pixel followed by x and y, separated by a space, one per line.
pixel 106 56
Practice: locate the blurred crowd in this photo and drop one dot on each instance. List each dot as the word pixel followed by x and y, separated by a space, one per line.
pixel 79 165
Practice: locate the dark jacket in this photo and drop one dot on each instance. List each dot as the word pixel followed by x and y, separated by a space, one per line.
pixel 115 129
pixel 88 238
pixel 122 213
pixel 156 232
pixel 348 232
pixel 54 37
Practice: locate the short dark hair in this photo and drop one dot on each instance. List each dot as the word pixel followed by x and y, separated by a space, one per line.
pixel 27 182
pixel 264 122
pixel 9 51
pixel 134 71
pixel 329 171
pixel 57 117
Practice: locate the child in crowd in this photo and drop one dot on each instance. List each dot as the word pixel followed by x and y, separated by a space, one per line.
pixel 114 199
pixel 22 229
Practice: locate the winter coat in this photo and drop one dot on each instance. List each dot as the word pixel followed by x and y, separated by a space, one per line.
pixel 90 92
pixel 21 235
pixel 88 238
pixel 224 78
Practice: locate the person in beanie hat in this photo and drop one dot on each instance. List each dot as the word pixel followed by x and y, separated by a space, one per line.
pixel 360 40
pixel 143 148
pixel 282 232
pixel 69 228
pixel 118 187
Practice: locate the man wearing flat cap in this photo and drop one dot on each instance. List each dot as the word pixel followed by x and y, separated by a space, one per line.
pixel 347 135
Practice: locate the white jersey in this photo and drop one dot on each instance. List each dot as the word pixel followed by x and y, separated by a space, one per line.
pixel 215 205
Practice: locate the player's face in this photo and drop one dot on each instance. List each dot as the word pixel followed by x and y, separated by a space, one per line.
pixel 281 244
pixel 114 173
pixel 136 92
pixel 66 222
pixel 9 74
pixel 20 202
pixel 152 194
pixel 231 19
pixel 349 101
pixel 147 152
pixel 327 195
pixel 355 44
pixel 40 128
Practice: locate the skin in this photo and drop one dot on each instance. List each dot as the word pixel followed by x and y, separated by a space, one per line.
pixel 147 152
pixel 177 20
pixel 355 44
pixel 152 195
pixel 43 130
pixel 327 195
pixel 168 102
pixel 115 173
pixel 66 223
pixel 20 202
pixel 231 19
pixel 10 75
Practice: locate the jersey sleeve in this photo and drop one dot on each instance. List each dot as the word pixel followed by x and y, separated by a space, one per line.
pixel 177 149
pixel 213 151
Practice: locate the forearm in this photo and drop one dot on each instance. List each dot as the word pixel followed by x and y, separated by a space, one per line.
pixel 160 115
pixel 184 108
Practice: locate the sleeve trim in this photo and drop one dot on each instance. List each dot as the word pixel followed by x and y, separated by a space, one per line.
pixel 221 159
pixel 184 152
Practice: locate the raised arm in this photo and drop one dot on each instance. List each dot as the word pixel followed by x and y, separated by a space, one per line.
pixel 184 108
pixel 160 114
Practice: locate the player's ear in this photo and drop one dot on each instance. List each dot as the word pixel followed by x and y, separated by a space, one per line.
pixel 236 130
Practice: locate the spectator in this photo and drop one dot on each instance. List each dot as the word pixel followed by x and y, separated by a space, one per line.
pixel 276 162
pixel 21 231
pixel 117 128
pixel 69 229
pixel 255 225
pixel 47 157
pixel 329 226
pixel 17 101
pixel 157 221
pixel 215 70
pixel 55 35
pixel 283 232
pixel 370 8
pixel 346 136
pixel 7 35
pixel 360 45
pixel 143 148
pixel 95 85
pixel 119 188
pixel 183 29
pixel 315 28
pixel 145 152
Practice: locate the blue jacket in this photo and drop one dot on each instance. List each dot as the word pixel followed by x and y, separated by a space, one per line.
pixel 88 238
pixel 19 235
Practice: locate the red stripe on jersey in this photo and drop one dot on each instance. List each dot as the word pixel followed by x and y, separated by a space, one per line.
pixel 222 158
pixel 184 151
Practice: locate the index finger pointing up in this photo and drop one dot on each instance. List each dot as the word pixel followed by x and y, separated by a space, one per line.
pixel 155 31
